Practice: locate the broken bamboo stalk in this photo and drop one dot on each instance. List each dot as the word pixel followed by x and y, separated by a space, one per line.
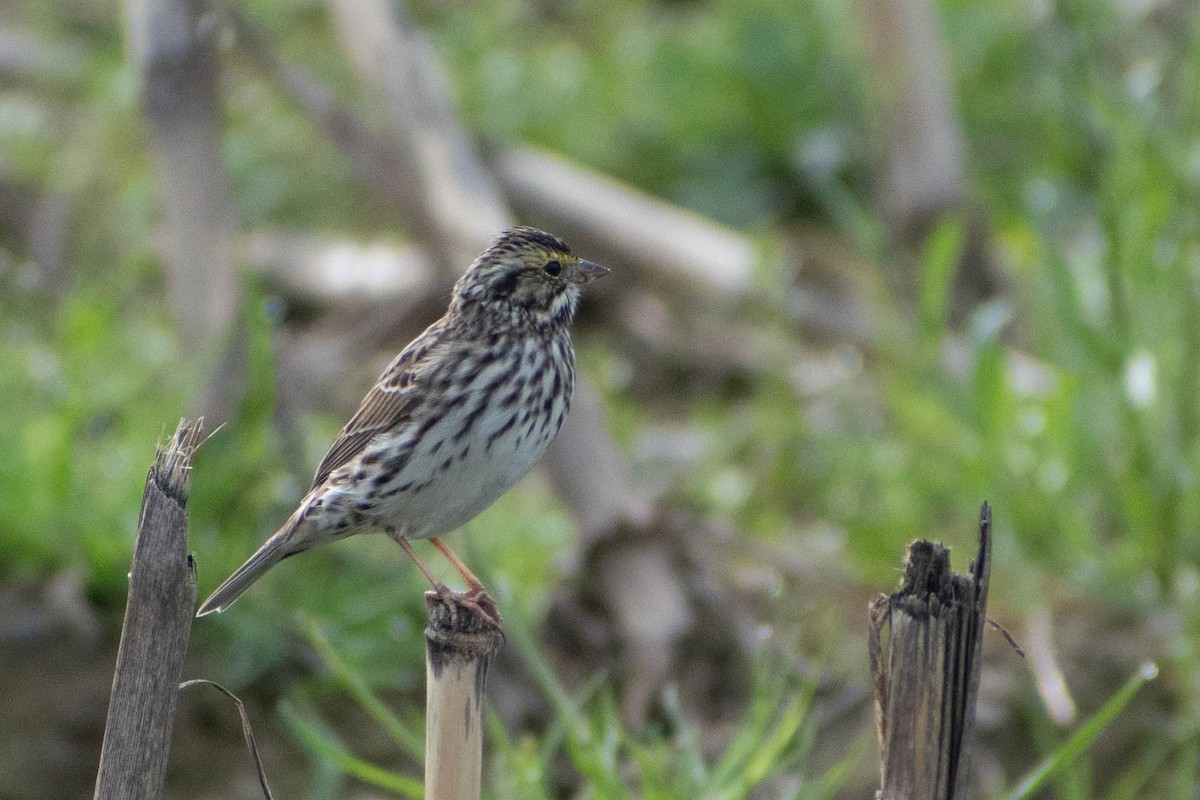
pixel 927 675
pixel 460 643
pixel 154 637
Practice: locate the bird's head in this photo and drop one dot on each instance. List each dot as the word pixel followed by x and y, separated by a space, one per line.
pixel 527 274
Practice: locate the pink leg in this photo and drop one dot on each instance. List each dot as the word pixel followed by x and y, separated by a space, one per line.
pixel 474 586
pixel 408 548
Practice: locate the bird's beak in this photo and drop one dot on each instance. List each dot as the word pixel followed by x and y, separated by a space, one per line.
pixel 589 271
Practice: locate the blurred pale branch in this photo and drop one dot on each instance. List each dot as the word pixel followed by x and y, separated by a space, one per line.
pixel 172 44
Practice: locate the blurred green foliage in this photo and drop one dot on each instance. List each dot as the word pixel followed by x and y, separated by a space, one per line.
pixel 1081 120
pixel 723 107
pixel 72 451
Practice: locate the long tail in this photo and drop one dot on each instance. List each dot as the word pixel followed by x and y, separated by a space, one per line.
pixel 281 545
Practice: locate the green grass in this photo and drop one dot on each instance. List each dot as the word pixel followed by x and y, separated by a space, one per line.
pixel 1066 753
pixel 587 736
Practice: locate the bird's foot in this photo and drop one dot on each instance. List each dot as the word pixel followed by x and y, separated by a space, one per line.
pixel 476 600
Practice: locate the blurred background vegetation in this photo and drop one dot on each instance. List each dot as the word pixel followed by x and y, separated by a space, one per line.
pixel 1061 387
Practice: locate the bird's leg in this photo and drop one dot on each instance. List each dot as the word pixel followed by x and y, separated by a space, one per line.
pixel 408 548
pixel 474 586
pixel 475 598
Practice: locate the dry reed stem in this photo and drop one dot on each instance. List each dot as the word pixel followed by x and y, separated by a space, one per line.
pixel 154 637
pixel 927 675
pixel 460 643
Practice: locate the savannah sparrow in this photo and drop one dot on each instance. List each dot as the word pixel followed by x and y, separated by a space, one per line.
pixel 455 420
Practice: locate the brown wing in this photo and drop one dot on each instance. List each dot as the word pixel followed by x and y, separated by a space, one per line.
pixel 387 405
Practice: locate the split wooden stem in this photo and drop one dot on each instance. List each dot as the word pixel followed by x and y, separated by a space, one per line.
pixel 927 674
pixel 460 642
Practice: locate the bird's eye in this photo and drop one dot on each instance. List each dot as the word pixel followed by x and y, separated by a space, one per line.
pixel 553 268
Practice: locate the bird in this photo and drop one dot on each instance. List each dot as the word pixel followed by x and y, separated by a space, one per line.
pixel 454 421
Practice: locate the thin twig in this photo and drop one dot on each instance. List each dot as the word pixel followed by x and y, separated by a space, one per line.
pixel 247 730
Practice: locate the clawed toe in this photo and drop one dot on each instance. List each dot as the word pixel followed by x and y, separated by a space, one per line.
pixel 482 602
pixel 476 599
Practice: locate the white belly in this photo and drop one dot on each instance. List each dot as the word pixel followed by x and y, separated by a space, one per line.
pixel 470 484
pixel 454 475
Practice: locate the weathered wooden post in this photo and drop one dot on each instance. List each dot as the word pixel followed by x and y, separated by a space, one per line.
pixel 927 675
pixel 154 638
pixel 460 643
